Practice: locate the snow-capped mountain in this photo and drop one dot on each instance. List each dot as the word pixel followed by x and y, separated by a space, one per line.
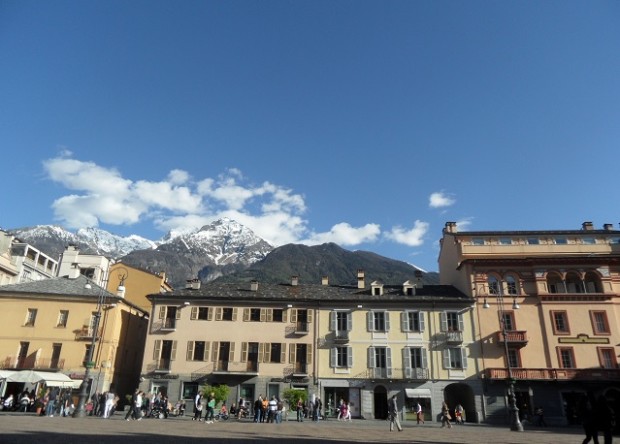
pixel 220 248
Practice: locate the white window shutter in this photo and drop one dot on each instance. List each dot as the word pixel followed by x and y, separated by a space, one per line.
pixel 387 321
pixel 424 359
pixel 370 320
pixel 231 352
pixel 283 353
pixel 332 321
pixel 349 321
pixel 246 314
pixel 207 350
pixel 444 321
pixel 446 358
pixel 234 313
pixel 173 352
pixel 349 357
pixel 407 361
pixel 421 318
pixel 209 313
pixel 157 349
pixel 218 313
pixel 194 313
pixel 244 352
pixel 371 357
pixel 162 312
pixel 461 323
pixel 388 361
pixel 464 357
pixel 189 356
pixel 333 357
pixel 216 351
pixel 404 321
pixel 309 314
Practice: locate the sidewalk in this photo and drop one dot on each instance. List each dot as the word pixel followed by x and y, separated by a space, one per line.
pixel 16 427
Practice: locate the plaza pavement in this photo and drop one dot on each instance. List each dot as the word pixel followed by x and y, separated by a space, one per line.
pixel 28 428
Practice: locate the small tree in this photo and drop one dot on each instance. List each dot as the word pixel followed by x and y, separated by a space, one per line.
pixel 292 396
pixel 220 392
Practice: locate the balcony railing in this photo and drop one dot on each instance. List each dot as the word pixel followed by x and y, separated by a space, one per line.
pixel 556 374
pixel 300 368
pixel 302 328
pixel 341 337
pixel 87 332
pixel 514 338
pixel 416 373
pixel 380 373
pixel 23 363
pixel 454 337
pixel 163 366
pixel 236 367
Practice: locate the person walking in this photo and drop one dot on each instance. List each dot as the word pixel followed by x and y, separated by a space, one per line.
pixel 445 416
pixel 605 418
pixel 210 409
pixel 300 410
pixel 197 407
pixel 419 414
pixel 393 414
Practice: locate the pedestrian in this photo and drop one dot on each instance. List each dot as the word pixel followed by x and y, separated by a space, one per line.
pixel 589 422
pixel 540 417
pixel 300 410
pixel 273 407
pixel 317 409
pixel 393 414
pixel 458 414
pixel 197 407
pixel 419 414
pixel 605 418
pixel 51 402
pixel 445 416
pixel 209 416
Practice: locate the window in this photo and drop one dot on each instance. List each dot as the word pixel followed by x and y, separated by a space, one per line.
pixel 255 314
pixel 566 357
pixel 505 241
pixel 414 357
pixel 588 240
pixel 477 241
pixel 63 316
pixel 225 314
pixel 533 241
pixel 560 322
pixel 378 321
pixel 31 317
pixel 561 241
pixel 508 319
pixel 56 348
pixel 340 321
pixel 277 315
pixel 380 362
pixel 493 284
pixel 412 321
pixel 600 325
pixel 607 357
pixel 341 357
pixel 451 321
pixel 514 359
pixel 197 351
pixel 201 314
pixel 275 352
pixel 511 285
pixel 455 358
pixel 22 355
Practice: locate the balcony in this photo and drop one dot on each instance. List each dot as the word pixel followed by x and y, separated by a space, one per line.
pixel 420 374
pixel 86 333
pixel 555 374
pixel 380 373
pixel 300 369
pixel 341 337
pixel 454 337
pixel 163 366
pixel 30 363
pixel 168 324
pixel 514 338
pixel 302 328
pixel 249 368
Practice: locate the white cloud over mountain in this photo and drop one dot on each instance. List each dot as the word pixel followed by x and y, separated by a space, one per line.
pixel 179 202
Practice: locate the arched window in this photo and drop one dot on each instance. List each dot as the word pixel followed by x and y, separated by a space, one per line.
pixel 493 284
pixel 511 285
pixel 555 284
pixel 573 283
pixel 593 283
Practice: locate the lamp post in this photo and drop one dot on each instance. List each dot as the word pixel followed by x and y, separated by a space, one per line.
pixel 513 410
pixel 80 410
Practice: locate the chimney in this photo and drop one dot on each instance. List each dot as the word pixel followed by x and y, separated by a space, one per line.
pixel 608 227
pixel 587 226
pixel 74 271
pixel 324 280
pixel 254 286
pixel 360 279
pixel 294 281
pixel 192 284
pixel 450 227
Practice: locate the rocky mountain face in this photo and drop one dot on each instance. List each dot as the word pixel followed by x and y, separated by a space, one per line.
pixel 224 250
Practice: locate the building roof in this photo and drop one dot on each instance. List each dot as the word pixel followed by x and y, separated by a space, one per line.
pixel 222 292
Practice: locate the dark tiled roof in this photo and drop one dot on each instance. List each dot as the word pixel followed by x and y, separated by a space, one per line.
pixel 58 286
pixel 238 292
pixel 538 233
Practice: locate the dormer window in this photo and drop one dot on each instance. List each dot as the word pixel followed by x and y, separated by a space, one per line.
pixel 408 289
pixel 376 288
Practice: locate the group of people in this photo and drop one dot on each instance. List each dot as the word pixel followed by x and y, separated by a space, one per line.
pixel 268 410
pixel 51 401
pixel 199 405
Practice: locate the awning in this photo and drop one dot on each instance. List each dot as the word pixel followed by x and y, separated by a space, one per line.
pixel 51 379
pixel 5 374
pixel 418 393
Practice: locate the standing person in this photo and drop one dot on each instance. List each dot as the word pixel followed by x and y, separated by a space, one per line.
pixel 132 403
pixel 109 404
pixel 279 411
pixel 51 402
pixel 589 422
pixel 258 406
pixel 445 416
pixel 210 409
pixel 540 417
pixel 197 407
pixel 273 407
pixel 393 414
pixel 605 418
pixel 300 410
pixel 419 414
pixel 317 408
pixel 458 414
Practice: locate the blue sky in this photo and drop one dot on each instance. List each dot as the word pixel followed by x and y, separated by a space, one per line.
pixel 365 123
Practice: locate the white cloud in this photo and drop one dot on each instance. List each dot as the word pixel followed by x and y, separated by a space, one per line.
pixel 440 200
pixel 412 237
pixel 178 177
pixel 345 234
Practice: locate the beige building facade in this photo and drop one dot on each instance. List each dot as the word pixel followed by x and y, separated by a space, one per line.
pixel 547 315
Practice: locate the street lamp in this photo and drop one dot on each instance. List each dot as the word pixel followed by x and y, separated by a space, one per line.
pixel 515 422
pixel 80 409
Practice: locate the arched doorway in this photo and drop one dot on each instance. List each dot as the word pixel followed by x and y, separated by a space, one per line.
pixel 381 411
pixel 460 393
